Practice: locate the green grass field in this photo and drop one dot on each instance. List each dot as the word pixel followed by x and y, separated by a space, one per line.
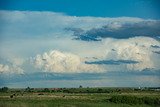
pixel 61 99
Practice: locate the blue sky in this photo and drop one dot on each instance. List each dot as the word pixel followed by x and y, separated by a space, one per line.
pixel 67 43
pixel 102 8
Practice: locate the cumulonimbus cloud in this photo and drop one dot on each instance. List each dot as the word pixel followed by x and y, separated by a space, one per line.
pixel 116 36
pixel 134 54
pixel 62 62
pixel 9 69
pixel 136 49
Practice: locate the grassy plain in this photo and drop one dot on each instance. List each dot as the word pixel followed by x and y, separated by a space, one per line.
pixel 41 98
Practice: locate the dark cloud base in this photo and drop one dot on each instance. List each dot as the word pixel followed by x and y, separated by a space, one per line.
pixel 128 30
pixel 112 62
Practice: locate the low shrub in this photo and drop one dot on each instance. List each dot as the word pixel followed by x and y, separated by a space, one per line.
pixel 134 100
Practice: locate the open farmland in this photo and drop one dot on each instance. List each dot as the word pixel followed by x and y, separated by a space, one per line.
pixel 80 97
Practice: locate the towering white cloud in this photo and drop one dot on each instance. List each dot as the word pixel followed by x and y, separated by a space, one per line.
pixel 9 69
pixel 134 54
pixel 61 62
pixel 137 49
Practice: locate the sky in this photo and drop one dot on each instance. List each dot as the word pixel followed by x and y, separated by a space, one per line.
pixel 67 43
pixel 103 8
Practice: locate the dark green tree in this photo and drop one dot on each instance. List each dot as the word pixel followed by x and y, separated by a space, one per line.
pixel 4 89
pixel 80 86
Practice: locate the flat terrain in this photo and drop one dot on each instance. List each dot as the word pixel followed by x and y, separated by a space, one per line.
pixel 79 99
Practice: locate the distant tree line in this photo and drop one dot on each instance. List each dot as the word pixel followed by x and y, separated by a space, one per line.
pixel 79 90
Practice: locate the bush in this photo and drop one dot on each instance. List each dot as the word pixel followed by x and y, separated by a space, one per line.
pixel 46 90
pixel 151 101
pixel 4 89
pixel 134 100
